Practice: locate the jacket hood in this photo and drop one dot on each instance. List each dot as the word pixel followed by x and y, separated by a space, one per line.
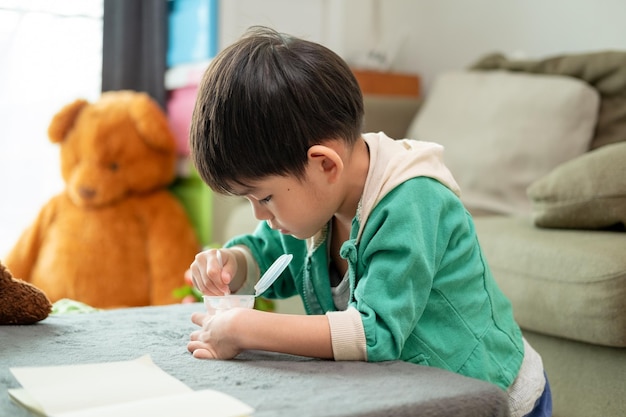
pixel 393 162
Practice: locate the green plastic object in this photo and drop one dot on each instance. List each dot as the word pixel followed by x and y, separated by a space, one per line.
pixel 197 200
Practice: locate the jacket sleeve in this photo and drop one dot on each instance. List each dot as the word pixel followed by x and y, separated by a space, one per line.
pixel 397 259
pixel 266 245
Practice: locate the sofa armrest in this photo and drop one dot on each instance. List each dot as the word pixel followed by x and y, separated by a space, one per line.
pixel 390 114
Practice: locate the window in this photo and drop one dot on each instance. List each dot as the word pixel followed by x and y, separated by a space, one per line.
pixel 50 55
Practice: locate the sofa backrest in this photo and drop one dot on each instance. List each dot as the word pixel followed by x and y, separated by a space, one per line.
pixel 389 114
pixel 605 71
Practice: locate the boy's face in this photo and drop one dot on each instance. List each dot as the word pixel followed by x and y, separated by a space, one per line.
pixel 294 207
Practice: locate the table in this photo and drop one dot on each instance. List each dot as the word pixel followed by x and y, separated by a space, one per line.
pixel 273 384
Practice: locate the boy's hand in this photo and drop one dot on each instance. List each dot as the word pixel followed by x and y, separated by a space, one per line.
pixel 212 275
pixel 224 335
pixel 214 340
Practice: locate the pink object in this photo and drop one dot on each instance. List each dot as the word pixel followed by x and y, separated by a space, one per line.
pixel 179 110
pixel 188 299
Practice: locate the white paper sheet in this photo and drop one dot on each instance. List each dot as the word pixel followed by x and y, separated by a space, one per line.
pixel 128 388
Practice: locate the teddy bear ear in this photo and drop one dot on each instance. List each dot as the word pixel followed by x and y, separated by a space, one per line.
pixel 151 123
pixel 63 121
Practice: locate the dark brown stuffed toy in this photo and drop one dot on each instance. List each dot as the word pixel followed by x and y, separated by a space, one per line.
pixel 21 302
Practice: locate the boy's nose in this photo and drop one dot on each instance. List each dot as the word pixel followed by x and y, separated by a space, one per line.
pixel 260 212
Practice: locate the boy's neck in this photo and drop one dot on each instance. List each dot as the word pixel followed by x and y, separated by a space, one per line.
pixel 356 167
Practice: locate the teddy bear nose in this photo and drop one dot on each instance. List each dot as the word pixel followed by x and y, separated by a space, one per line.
pixel 87 193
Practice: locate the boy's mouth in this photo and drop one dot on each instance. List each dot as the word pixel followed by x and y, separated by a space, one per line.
pixel 278 229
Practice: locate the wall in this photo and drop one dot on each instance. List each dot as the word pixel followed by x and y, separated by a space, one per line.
pixel 50 54
pixel 428 36
pixel 451 34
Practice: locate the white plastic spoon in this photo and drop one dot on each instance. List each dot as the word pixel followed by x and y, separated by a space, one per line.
pixel 221 263
pixel 272 273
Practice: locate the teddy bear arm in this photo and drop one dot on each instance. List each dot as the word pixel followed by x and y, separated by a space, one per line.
pixel 23 256
pixel 172 247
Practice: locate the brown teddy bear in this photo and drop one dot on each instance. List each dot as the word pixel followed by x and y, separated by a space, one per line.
pixel 116 236
pixel 21 302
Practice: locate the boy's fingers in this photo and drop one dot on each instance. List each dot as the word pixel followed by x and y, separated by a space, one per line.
pixel 198 318
pixel 199 350
pixel 195 273
pixel 203 354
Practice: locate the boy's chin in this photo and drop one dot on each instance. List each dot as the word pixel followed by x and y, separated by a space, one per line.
pixel 295 235
pixel 301 235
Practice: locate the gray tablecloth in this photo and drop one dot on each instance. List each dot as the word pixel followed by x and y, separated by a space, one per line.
pixel 273 384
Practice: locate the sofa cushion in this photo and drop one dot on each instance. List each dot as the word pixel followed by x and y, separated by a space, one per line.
pixel 562 283
pixel 504 130
pixel 603 70
pixel 588 192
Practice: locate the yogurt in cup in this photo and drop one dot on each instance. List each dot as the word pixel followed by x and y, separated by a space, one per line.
pixel 218 303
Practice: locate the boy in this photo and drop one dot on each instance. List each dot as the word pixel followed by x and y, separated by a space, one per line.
pixel 386 258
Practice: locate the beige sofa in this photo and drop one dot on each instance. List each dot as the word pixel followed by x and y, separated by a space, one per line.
pixel 551 222
pixel 564 265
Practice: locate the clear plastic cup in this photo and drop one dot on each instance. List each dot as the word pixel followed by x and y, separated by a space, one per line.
pixel 218 303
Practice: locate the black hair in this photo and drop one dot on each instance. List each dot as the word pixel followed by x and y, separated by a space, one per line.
pixel 263 102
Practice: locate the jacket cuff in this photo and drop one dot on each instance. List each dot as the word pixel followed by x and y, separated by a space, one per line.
pixel 347 335
pixel 529 384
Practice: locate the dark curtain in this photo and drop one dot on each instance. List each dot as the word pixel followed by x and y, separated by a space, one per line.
pixel 134 46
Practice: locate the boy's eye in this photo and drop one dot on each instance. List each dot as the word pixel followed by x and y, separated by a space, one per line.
pixel 265 200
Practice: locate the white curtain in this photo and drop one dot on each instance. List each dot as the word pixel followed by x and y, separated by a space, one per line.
pixel 50 54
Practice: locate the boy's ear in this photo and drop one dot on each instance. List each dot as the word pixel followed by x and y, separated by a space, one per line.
pixel 325 160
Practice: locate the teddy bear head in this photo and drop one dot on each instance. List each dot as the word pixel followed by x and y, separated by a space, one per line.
pixel 21 302
pixel 117 146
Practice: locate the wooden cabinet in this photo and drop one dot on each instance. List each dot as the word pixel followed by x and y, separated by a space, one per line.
pixel 387 83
